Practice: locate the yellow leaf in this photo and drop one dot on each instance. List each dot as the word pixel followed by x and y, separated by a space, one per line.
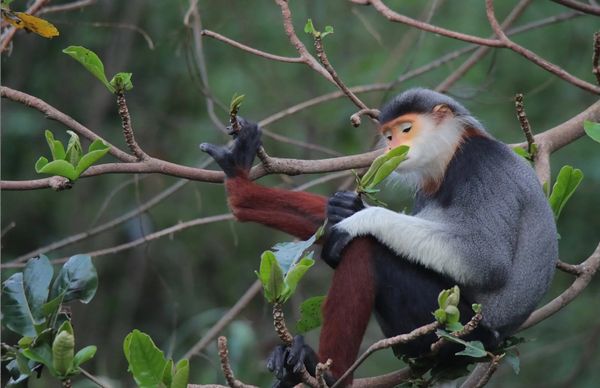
pixel 34 24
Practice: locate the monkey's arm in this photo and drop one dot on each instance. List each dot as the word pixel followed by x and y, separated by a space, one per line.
pixel 296 213
pixel 471 257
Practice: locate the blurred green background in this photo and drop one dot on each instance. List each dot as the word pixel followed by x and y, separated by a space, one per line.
pixel 176 287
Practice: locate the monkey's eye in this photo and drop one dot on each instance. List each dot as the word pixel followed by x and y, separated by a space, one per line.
pixel 388 134
pixel 405 127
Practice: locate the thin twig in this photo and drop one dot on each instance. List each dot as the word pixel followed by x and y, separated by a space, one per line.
pixel 127 129
pixel 196 27
pixel 75 5
pixel 251 50
pixel 481 51
pixel 7 228
pixel 327 65
pixel 320 371
pixel 492 367
pixel 92 378
pixel 229 316
pixel 596 57
pixel 286 337
pixel 372 113
pixel 226 367
pixel 468 328
pixel 524 123
pixel 388 343
pixel 582 7
pixel 531 56
pixel 288 27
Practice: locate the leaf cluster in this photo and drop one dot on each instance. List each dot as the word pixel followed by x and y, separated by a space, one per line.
pixel 120 83
pixel 72 162
pixel 31 307
pixel 277 286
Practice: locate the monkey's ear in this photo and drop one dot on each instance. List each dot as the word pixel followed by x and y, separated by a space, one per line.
pixel 442 110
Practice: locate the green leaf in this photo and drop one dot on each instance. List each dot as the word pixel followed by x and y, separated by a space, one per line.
pixel 182 374
pixel 167 376
pixel 91 62
pixel 311 315
pixel 294 275
pixel 271 277
pixel 309 28
pixel 36 279
pixel 84 355
pixel 472 348
pixel 56 167
pixel 77 279
pixel 385 170
pixel 56 146
pixel 74 150
pixel 289 253
pixel 512 358
pixel 146 361
pixel 368 176
pixel 328 30
pixel 383 166
pixel 454 326
pixel 452 314
pixel 566 183
pixel 592 130
pixel 443 298
pixel 476 308
pixel 16 312
pixel 440 316
pixel 522 152
pixel 91 157
pixel 236 102
pixel 121 82
pixel 63 349
pixel 51 308
pixel 41 354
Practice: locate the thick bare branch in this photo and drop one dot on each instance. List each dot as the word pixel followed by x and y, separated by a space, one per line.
pixel 54 114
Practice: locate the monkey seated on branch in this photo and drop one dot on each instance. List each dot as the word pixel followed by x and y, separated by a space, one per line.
pixel 480 220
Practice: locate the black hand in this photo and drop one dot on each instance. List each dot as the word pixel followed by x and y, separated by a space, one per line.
pixel 237 158
pixel 286 362
pixel 340 206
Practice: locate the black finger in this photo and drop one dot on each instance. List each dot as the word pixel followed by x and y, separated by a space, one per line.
pixel 276 358
pixel 217 152
pixel 295 351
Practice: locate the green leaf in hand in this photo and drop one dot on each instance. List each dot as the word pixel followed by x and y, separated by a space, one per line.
pixel 91 62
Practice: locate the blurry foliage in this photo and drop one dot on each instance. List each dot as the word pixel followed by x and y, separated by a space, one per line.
pixel 175 288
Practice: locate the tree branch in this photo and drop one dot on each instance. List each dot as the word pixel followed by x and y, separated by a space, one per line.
pixel 582 7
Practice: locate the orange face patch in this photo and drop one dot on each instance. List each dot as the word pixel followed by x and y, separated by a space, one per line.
pixel 401 131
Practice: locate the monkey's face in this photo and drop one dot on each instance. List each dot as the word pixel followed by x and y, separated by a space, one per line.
pixel 432 137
